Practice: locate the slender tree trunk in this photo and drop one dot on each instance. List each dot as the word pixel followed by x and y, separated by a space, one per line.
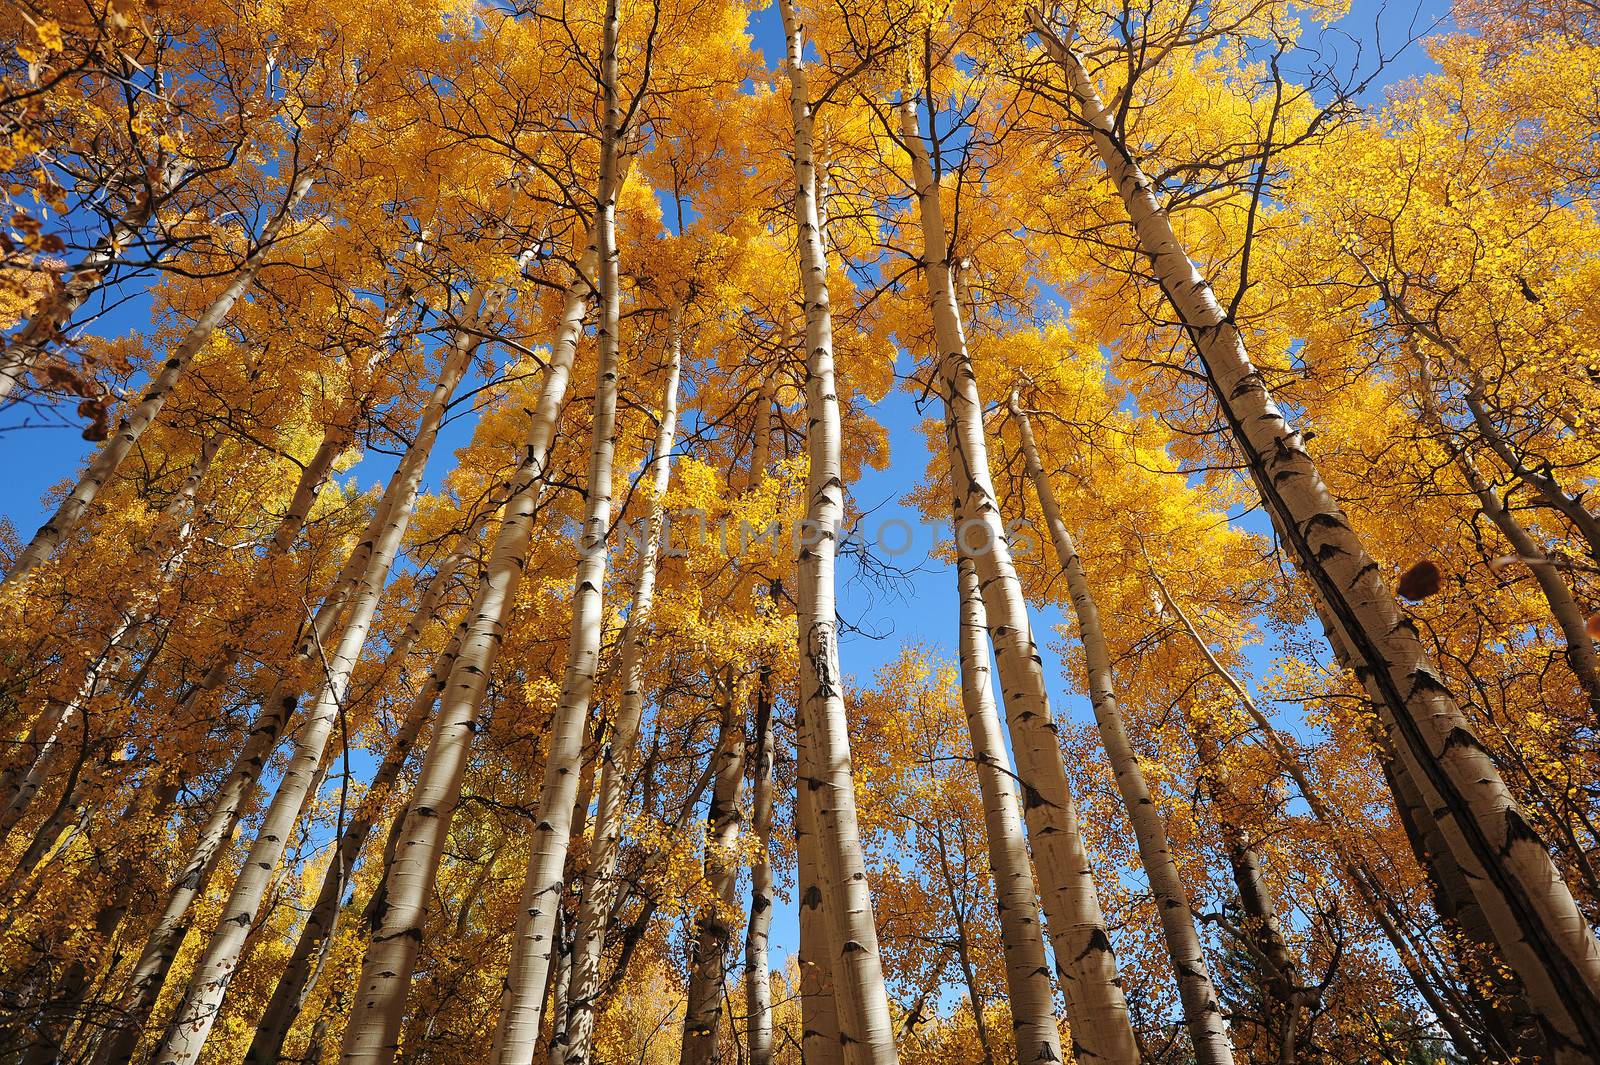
pixel 758 930
pixel 1087 965
pixel 399 908
pixel 1580 651
pixel 229 803
pixel 1368 886
pixel 762 750
pixel 598 891
pixel 708 964
pixel 517 1035
pixel 305 965
pixel 143 414
pixel 1202 1010
pixel 187 1032
pixel 863 1000
pixel 1260 927
pixel 1550 491
pixel 1541 933
pixel 1033 1015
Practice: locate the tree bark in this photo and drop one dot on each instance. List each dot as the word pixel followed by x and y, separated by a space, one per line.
pixel 758 929
pixel 1541 933
pixel 1085 961
pixel 1033 1017
pixel 1202 1010
pixel 517 1034
pixel 305 965
pixel 202 1003
pixel 708 962
pixel 599 888
pixel 865 1026
pixel 399 908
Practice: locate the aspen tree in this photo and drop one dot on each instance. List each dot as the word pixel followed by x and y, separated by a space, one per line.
pixel 758 930
pixel 305 965
pixel 517 1034
pixel 400 906
pixel 1202 1010
pixel 702 1015
pixel 189 1027
pixel 1085 961
pixel 864 1021
pixel 1580 652
pixel 1033 1017
pixel 1540 931
pixel 1369 887
pixel 19 785
pixel 598 887
pixel 228 802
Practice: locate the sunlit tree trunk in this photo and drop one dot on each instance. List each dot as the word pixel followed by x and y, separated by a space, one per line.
pixel 1541 933
pixel 521 1008
pixel 1260 927
pixel 1368 886
pixel 187 1032
pixel 758 929
pixel 1096 1007
pixel 599 888
pixel 865 1024
pixel 143 414
pixel 399 908
pixel 305 965
pixel 1033 1016
pixel 1202 1010
pixel 708 961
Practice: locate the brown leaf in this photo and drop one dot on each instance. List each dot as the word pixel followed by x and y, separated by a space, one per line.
pixel 1420 581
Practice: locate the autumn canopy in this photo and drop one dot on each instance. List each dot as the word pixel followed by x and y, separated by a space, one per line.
pixel 444 649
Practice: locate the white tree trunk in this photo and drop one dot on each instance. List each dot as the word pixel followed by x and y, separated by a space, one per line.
pixel 865 1025
pixel 522 1007
pixel 1033 1016
pixel 758 930
pixel 573 1037
pixel 1202 1010
pixel 189 1027
pixel 1096 1007
pixel 399 909
pixel 708 960
pixel 1541 933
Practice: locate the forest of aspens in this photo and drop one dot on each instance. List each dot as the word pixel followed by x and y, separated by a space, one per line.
pixel 800 532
